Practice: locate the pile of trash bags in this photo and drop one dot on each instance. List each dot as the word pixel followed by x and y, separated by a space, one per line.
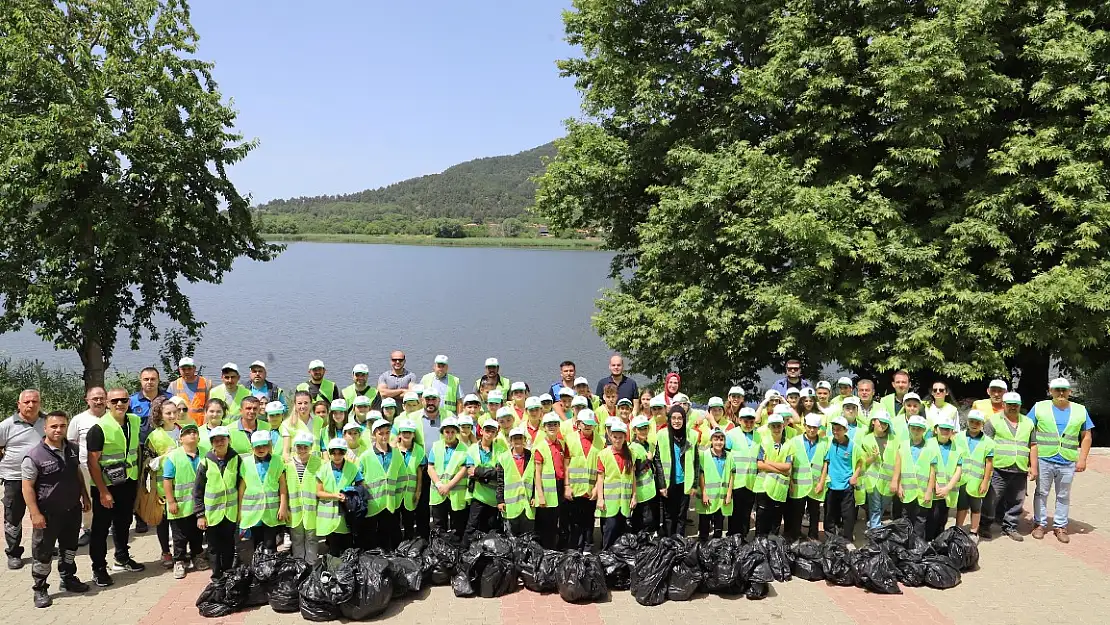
pixel 486 569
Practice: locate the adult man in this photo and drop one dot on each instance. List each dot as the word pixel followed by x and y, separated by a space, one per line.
pixel 318 387
pixel 994 403
pixel 1015 464
pixel 397 380
pixel 97 400
pixel 493 373
pixel 55 494
pixel 446 384
pixel 431 417
pixel 892 403
pixel 192 388
pixel 361 387
pixel 18 435
pixel 566 377
pixel 248 423
pixel 262 388
pixel 1063 442
pixel 793 378
pixel 114 467
pixel 626 386
pixel 231 392
pixel 140 401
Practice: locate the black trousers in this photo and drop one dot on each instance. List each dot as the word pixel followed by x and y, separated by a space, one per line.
pixel 768 515
pixel 14 511
pixel 338 543
pixel 645 516
pixel 187 539
pixel 582 523
pixel 444 519
pixel 936 519
pixel 520 525
pixel 613 528
pixel 710 525
pixel 117 519
pixel 916 515
pixel 422 512
pixel 222 538
pixel 381 531
pixel 61 530
pixel 840 512
pixel 163 531
pixel 483 518
pixel 743 500
pixel 792 512
pixel 813 511
pixel 265 537
pixel 675 507
pixel 547 525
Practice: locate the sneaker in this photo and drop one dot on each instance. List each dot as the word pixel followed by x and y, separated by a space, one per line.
pixel 1038 532
pixel 71 583
pixel 83 539
pixel 130 566
pixel 42 598
pixel 15 563
pixel 1012 535
pixel 101 578
pixel 179 570
pixel 167 561
pixel 201 563
pixel 140 526
pixel 1062 534
pixel 985 533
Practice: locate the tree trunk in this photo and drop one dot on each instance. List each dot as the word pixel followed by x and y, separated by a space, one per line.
pixel 93 361
pixel 1032 371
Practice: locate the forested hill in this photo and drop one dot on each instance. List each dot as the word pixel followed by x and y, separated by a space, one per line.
pixel 484 190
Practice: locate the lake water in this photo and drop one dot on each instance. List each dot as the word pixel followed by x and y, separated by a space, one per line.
pixel 351 303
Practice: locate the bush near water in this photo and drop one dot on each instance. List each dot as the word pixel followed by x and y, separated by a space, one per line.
pixel 61 389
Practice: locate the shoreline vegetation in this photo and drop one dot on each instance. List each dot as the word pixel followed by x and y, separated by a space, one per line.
pixel 548 243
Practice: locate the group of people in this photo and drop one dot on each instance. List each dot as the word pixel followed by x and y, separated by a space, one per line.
pixel 371 465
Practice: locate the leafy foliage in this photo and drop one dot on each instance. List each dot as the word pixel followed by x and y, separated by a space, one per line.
pixel 884 184
pixel 114 143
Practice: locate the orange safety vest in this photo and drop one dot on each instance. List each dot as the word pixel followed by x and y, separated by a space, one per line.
pixel 197 402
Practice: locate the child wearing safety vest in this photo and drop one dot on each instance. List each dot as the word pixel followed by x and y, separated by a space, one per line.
pixel 388 409
pixel 570 425
pixel 179 473
pixel 977 450
pixel 878 454
pixel 775 465
pixel 472 406
pixel 677 456
pixel 506 421
pixel 949 471
pixel 164 415
pixel 838 481
pixel 583 449
pixel 446 465
pixel 715 481
pixel 744 444
pixel 300 479
pixel 216 500
pixel 333 478
pixel 915 474
pixel 615 489
pixel 481 460
pixel 411 482
pixel 533 421
pixel 356 444
pixel 381 466
pixel 263 495
pixel 550 457
pixel 649 479
pixel 514 475
pixel 214 412
pixel 337 419
pixel 811 448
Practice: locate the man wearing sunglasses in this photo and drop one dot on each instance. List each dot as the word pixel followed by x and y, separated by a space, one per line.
pixel 793 378
pixel 397 380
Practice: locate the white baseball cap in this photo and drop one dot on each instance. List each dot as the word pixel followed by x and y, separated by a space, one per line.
pixel 774 418
pixel 179 401
pixel 354 425
pixel 506 412
pixel 619 426
pixel 303 438
pixel 418 389
pixel 565 392
pixel 518 386
pixel 680 398
pixel 338 405
pixel 219 430
pixel 793 391
pixel 471 398
pixel 1059 383
pixel 441 359
pixel 736 390
pixel 490 423
pixel 808 392
pixel 909 396
pixel 361 368
pixel 579 400
pixel 186 362
pixel 373 416
pixel 361 400
pixel 581 380
pixel 532 402
pixel 260 438
pixel 410 396
pixel 316 364
pixel 495 395
pixel 379 423
pixel 624 401
pixel 389 402
pixel 998 384
pixel 747 412
pixel 492 362
pixel 825 385
pixel 464 419
pixel 917 421
pixel 716 402
pixel 851 401
pixel 841 421
pixel 976 415
pixel 771 393
pixel 587 417
pixel 611 421
pixel 813 420
pixel 406 425
pixel 337 443
pixel 640 421
pixel 449 422
pixel 431 392
pixel 657 402
pixel 275 407
pixel 844 381
pixel 518 431
pixel 230 366
pixel 551 417
pixel 783 410
pixel 1011 398
pixel 258 363
pixel 546 397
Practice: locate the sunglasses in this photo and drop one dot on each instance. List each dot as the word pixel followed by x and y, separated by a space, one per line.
pixel 793 369
pixel 119 400
pixel 939 390
pixel 397 359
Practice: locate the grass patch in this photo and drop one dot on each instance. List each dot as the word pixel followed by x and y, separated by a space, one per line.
pixel 61 389
pixel 413 239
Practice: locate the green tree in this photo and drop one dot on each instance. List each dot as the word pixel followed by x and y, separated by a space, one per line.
pixel 511 227
pixel 114 144
pixel 884 184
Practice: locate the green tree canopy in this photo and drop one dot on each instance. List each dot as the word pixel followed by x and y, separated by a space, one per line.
pixel 114 144
pixel 884 184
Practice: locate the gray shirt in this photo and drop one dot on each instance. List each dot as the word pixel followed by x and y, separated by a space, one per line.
pixel 31 470
pixel 394 382
pixel 17 437
pixel 431 428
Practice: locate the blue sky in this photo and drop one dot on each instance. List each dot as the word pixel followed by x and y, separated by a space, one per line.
pixel 347 95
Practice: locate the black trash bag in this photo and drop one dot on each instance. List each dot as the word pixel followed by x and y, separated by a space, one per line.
pixel 940 573
pixel 757 590
pixel 774 548
pixel 629 545
pixel 460 584
pixel 263 563
pixel 685 579
pixel 580 577
pixel 717 560
pixel 237 585
pixel 527 555
pixel 406 574
pixel 956 543
pixel 486 568
pixel 441 558
pixel 322 592
pixel 875 570
pixel 805 556
pixel 496 577
pixel 835 561
pixel 899 532
pixel 495 544
pixel 373 588
pixel 911 573
pixel 543 578
pixel 618 576
pixel 651 576
pixel 752 565
pixel 285 584
pixel 413 548
pixel 212 602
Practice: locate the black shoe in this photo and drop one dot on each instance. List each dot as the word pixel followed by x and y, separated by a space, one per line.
pixel 83 539
pixel 129 565
pixel 15 563
pixel 101 578
pixel 70 583
pixel 42 598
pixel 141 527
pixel 985 533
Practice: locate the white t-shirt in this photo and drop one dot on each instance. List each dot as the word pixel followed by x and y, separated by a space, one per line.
pixel 79 427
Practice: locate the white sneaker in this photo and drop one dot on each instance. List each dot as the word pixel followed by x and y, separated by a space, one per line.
pixel 179 570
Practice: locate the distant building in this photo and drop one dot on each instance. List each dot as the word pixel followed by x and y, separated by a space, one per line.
pixel 543 231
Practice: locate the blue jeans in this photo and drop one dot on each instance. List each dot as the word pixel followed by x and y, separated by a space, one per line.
pixel 1049 475
pixel 875 505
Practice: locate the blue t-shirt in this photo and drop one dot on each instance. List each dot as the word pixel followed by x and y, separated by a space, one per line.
pixel 945 450
pixel 483 456
pixel 447 453
pixel 720 462
pixel 679 470
pixel 338 475
pixel 262 466
pixel 408 454
pixel 749 435
pixel 169 471
pixel 839 458
pixel 1062 416
pixel 810 447
pixel 973 442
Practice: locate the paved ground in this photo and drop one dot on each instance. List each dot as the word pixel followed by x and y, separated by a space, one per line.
pixel 1029 582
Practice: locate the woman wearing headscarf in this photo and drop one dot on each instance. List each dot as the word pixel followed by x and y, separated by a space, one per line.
pixel 675 458
pixel 671 383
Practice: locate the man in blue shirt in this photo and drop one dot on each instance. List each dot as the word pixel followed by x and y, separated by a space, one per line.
pixel 793 378
pixel 265 390
pixel 149 388
pixel 1053 469
pixel 567 372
